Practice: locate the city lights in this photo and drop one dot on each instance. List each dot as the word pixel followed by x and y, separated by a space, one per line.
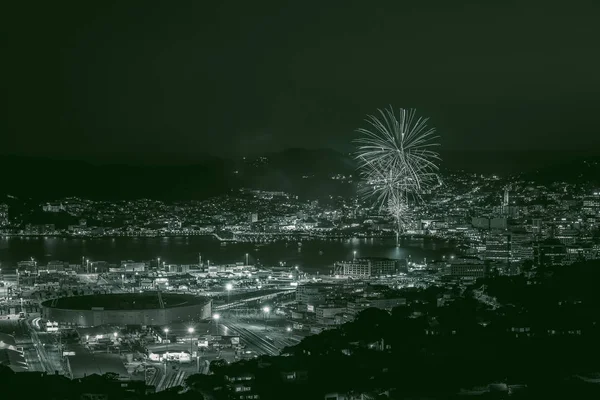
pixel 307 259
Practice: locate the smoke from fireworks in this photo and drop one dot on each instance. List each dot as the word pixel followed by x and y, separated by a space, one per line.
pixel 397 161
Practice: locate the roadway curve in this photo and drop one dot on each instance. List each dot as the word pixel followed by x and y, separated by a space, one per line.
pixel 48 366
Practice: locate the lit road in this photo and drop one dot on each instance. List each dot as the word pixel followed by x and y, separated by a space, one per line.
pixel 163 377
pixel 32 357
pixel 154 375
pixel 18 329
pixel 172 379
pixel 252 298
pixel 50 361
pixel 255 336
pixel 39 347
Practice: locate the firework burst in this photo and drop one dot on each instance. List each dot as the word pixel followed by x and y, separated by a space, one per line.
pixel 397 161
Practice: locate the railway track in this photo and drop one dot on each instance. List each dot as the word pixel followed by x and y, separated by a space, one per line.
pixel 256 340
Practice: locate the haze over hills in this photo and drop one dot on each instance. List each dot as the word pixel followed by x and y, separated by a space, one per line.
pixel 305 172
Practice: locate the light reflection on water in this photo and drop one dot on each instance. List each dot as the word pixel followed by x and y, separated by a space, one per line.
pixel 184 250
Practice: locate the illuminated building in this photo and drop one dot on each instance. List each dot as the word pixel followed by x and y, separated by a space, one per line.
pixel 366 267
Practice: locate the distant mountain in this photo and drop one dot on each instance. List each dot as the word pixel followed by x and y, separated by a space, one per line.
pixel 312 161
pixel 506 162
pixel 580 170
pixel 305 172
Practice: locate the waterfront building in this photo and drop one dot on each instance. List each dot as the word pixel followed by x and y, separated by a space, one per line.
pixel 366 267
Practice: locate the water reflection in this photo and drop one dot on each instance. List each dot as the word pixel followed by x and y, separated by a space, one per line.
pixel 309 254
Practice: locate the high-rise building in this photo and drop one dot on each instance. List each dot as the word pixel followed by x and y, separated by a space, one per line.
pixel 253 218
pixel 536 226
pixel 521 246
pixel 591 205
pixel 505 205
pixel 497 247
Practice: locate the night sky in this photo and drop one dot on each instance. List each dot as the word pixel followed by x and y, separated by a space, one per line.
pixel 126 79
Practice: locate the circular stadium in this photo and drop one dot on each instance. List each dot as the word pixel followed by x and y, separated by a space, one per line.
pixel 149 308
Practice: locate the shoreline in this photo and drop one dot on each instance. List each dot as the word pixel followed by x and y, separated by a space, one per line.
pixel 245 237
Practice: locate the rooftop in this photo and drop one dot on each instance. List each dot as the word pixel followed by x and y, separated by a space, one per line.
pixel 12 358
pixel 7 340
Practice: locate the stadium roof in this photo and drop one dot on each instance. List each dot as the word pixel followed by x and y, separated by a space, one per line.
pixel 13 359
pixel 7 340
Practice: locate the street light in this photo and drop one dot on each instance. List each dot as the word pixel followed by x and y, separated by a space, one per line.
pixel 354 259
pixel 228 287
pixel 216 318
pixel 246 258
pixel 266 310
pixel 190 331
pixel 166 330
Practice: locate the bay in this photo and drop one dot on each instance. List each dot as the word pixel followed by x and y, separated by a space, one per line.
pixel 312 255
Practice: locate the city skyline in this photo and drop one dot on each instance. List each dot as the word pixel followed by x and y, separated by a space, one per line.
pixel 335 200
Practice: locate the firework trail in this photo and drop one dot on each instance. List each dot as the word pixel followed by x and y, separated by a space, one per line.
pixel 397 161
